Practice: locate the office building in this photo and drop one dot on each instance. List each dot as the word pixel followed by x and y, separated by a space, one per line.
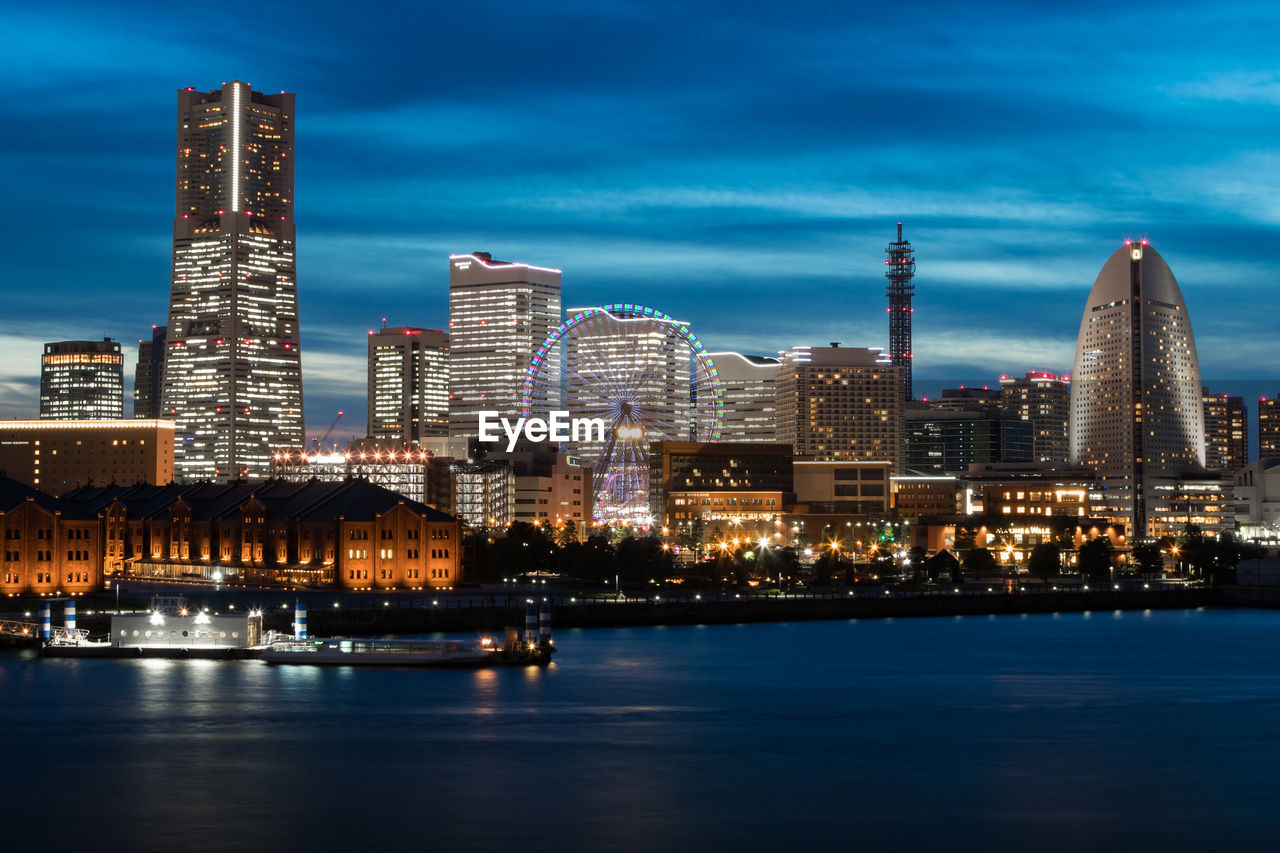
pixel 58 456
pixel 1043 400
pixel 750 396
pixel 81 380
pixel 233 373
pixel 1257 500
pixel 837 403
pixel 1226 432
pixel 148 376
pixel 1269 427
pixel 740 489
pixel 499 313
pixel 918 496
pixel 1136 410
pixel 408 384
pixel 549 488
pixel 962 399
pixel 949 441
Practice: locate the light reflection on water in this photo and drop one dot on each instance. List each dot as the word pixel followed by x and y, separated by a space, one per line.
pixel 1062 731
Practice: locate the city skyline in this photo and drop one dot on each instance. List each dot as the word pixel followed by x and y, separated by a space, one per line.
pixel 639 195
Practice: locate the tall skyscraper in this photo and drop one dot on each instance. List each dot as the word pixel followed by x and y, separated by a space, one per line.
pixel 148 376
pixel 1226 432
pixel 750 396
pixel 408 384
pixel 901 272
pixel 233 372
pixel 837 404
pixel 1136 411
pixel 82 380
pixel 499 313
pixel 1269 427
pixel 1044 400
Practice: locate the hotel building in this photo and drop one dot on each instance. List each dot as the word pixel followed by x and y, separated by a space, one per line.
pixel 408 384
pixel 499 313
pixel 1137 416
pixel 233 372
pixel 81 380
pixel 58 456
pixel 750 396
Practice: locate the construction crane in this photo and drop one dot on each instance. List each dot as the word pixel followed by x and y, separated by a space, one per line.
pixel 317 444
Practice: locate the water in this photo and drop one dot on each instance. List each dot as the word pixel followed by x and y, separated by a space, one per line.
pixel 1113 731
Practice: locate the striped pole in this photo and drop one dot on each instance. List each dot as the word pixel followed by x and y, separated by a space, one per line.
pixel 69 616
pixel 544 625
pixel 531 624
pixel 300 621
pixel 46 621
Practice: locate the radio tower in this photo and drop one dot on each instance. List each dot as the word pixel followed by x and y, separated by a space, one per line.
pixel 901 263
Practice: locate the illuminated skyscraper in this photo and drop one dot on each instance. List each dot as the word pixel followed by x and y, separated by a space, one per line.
pixel 148 376
pixel 1137 419
pixel 1042 399
pixel 233 372
pixel 750 396
pixel 408 384
pixel 1268 427
pixel 1226 432
pixel 499 313
pixel 82 380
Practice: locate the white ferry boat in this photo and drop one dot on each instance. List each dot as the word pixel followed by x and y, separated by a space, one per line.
pixel 363 652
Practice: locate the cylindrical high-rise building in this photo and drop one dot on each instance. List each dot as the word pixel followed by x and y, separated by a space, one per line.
pixel 1136 410
pixel 82 380
pixel 233 373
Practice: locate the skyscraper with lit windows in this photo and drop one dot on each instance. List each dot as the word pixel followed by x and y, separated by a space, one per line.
pixel 1226 432
pixel 233 372
pixel 408 384
pixel 499 313
pixel 1137 418
pixel 82 380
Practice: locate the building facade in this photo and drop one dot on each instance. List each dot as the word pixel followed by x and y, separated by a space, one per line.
pixel 82 380
pixel 1268 427
pixel 836 403
pixel 1043 400
pixel 1257 500
pixel 50 547
pixel 949 441
pixel 750 396
pixel 1137 416
pixel 148 375
pixel 233 371
pixel 408 384
pixel 499 314
pixel 58 456
pixel 1226 432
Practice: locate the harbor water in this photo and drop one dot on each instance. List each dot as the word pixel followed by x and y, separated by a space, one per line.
pixel 1100 731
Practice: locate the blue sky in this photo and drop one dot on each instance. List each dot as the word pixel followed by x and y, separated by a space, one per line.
pixel 738 165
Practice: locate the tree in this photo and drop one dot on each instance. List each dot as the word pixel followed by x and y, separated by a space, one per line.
pixel 1045 560
pixel 1148 559
pixel 980 561
pixel 1095 559
pixel 641 559
pixel 567 533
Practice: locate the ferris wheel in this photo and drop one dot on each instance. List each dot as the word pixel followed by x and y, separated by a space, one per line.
pixel 646 375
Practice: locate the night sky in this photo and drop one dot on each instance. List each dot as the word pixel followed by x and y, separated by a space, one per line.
pixel 738 165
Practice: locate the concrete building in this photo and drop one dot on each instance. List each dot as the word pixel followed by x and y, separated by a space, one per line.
pixel 917 496
pixel 962 399
pixel 1203 498
pixel 750 396
pixel 1137 416
pixel 949 441
pixel 836 403
pixel 51 547
pixel 1269 427
pixel 549 488
pixel 82 380
pixel 739 488
pixel 485 492
pixel 845 488
pixel 148 375
pixel 1257 500
pixel 1043 400
pixel 58 456
pixel 408 387
pixel 499 314
pixel 1226 432
pixel 233 372
pixel 350 535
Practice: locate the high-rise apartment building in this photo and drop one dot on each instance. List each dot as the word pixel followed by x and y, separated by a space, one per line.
pixel 1042 399
pixel 408 384
pixel 233 372
pixel 1137 417
pixel 148 376
pixel 82 380
pixel 1226 432
pixel 1268 427
pixel 836 403
pixel 499 313
pixel 750 396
